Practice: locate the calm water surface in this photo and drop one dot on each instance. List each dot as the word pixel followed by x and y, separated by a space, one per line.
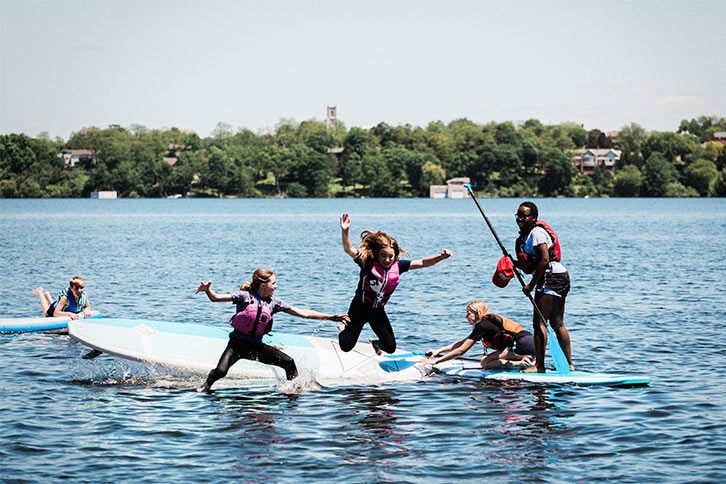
pixel 647 297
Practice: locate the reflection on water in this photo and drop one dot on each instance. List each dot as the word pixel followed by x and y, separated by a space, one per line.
pixel 640 283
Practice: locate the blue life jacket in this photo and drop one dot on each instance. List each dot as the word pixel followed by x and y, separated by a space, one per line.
pixel 72 306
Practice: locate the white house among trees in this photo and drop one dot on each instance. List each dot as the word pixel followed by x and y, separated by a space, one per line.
pixel 587 159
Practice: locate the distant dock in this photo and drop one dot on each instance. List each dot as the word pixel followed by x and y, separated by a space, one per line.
pixel 105 195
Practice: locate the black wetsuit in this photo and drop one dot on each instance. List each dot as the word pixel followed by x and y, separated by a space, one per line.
pixel 362 312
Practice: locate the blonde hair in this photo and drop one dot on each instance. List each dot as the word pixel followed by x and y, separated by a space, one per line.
pixel 77 281
pixel 479 308
pixel 372 243
pixel 259 277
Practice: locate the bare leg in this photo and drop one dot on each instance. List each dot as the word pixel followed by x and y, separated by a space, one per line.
pixel 544 303
pixel 44 303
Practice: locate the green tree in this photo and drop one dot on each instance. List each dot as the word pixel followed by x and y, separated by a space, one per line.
pixel 416 175
pixel 719 188
pixel 320 140
pixel 218 172
pixel 575 132
pixel 355 142
pixel 296 190
pixel 308 168
pixel 721 158
pixel 432 174
pixel 185 170
pixel 670 145
pixel 628 182
pixel 376 175
pixel 222 132
pixel 678 190
pixel 703 127
pixel 559 173
pixel 529 154
pixel 534 125
pixel 701 175
pixel 630 140
pixel 352 170
pixel 658 172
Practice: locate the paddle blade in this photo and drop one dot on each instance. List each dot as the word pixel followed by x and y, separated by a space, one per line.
pixel 558 356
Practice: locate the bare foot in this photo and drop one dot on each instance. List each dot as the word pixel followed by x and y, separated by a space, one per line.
pixel 572 367
pixel 532 369
pixel 38 291
pixel 204 388
pixel 376 346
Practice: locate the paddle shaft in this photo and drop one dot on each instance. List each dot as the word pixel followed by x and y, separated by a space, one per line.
pixel 504 251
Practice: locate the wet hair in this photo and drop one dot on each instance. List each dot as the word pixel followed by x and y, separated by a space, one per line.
pixel 532 207
pixel 77 282
pixel 372 243
pixel 479 308
pixel 259 277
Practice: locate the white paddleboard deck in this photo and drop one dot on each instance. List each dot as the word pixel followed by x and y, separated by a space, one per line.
pixel 195 349
pixel 23 325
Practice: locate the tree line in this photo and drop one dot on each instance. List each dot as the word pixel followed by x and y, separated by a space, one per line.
pixel 307 159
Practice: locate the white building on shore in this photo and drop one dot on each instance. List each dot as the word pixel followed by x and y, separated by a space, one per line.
pixel 454 188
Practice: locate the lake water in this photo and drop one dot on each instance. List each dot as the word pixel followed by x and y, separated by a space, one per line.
pixel 647 297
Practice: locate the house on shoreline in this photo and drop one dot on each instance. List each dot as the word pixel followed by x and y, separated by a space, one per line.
pixel 587 159
pixel 74 157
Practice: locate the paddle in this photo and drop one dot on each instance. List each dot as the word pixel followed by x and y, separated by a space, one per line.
pixel 558 356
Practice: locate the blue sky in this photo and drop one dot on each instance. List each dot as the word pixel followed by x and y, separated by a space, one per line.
pixel 70 64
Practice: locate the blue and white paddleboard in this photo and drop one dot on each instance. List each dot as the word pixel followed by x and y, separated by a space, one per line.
pixel 23 325
pixel 195 348
pixel 469 368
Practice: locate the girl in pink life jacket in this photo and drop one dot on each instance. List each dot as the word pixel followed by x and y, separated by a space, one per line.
pixel 256 304
pixel 380 269
pixel 550 279
pixel 513 346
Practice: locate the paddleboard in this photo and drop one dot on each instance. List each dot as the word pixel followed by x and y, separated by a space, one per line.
pixel 48 325
pixel 196 348
pixel 468 368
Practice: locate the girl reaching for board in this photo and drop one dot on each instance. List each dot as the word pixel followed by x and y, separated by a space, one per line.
pixel 378 258
pixel 513 346
pixel 256 304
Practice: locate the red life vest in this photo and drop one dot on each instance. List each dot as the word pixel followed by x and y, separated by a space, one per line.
pixel 505 338
pixel 528 262
pixel 378 292
pixel 254 319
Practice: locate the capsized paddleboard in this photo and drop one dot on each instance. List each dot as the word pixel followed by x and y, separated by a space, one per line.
pixel 23 325
pixel 196 348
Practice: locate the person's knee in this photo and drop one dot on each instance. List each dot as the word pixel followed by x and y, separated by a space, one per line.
pixel 346 343
pixel 388 346
pixel 557 323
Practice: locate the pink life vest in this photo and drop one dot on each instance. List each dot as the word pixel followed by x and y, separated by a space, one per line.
pixel 253 319
pixel 378 292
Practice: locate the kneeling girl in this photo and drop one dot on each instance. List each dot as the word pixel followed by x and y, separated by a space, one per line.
pixel 513 346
